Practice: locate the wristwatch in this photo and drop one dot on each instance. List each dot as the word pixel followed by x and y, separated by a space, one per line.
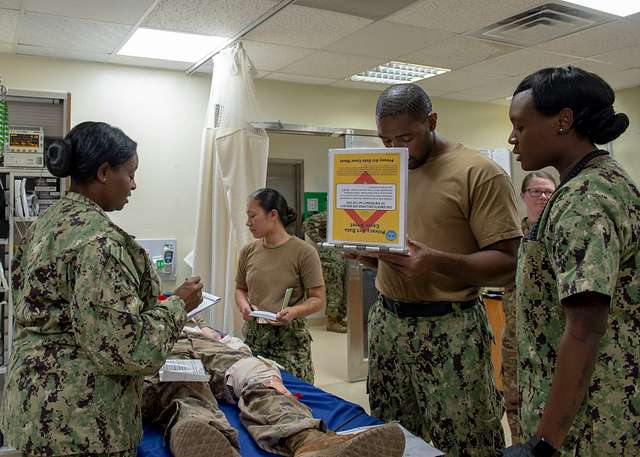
pixel 542 448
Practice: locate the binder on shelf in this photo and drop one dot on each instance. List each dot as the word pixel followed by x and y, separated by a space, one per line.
pixel 17 198
pixel 3 280
pixel 24 200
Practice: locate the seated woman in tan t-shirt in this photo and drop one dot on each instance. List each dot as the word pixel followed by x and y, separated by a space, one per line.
pixel 269 266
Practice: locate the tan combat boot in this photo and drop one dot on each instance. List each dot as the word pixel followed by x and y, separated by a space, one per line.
pixel 383 441
pixel 336 326
pixel 198 438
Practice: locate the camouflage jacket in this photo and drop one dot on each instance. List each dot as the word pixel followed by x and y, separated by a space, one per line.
pixel 588 240
pixel 315 227
pixel 89 328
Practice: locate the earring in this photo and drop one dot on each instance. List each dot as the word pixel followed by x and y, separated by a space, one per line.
pixel 561 130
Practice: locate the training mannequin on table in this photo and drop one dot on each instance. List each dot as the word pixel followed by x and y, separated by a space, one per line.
pixel 191 420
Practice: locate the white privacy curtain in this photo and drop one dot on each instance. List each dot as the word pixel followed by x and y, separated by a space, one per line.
pixel 233 164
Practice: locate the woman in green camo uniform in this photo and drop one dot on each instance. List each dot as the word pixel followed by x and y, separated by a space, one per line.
pixel 268 266
pixel 578 278
pixel 88 320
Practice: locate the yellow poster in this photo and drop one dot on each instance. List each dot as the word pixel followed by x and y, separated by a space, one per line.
pixel 367 197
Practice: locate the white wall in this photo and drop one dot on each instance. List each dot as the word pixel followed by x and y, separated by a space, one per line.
pixel 626 149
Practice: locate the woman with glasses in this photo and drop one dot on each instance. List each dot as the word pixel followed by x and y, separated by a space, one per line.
pixel 578 277
pixel 537 188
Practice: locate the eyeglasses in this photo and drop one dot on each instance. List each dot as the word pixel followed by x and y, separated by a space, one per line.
pixel 537 193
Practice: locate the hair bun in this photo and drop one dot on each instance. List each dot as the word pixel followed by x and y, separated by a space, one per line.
pixel 58 158
pixel 608 127
pixel 292 215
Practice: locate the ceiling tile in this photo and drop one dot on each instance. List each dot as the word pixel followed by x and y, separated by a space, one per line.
pixel 331 65
pixel 627 57
pixel 60 53
pixel 455 81
pixel 300 79
pixel 372 9
pixel 145 62
pixel 348 84
pixel 460 16
pixel 307 27
pixel 208 17
pixel 8 22
pixel 68 33
pixel 599 67
pixel 272 57
pixel 597 40
pixel 519 62
pixel 388 40
pixel 467 97
pixel 623 79
pixel 10 4
pixel 116 11
pixel 458 52
pixel 503 87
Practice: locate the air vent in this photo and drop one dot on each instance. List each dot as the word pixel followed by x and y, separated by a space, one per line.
pixel 543 23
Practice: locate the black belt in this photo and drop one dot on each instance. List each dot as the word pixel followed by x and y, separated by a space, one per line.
pixel 426 309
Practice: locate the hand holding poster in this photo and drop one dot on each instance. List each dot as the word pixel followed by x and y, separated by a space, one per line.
pixel 367 199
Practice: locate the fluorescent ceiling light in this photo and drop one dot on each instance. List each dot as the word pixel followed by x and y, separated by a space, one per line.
pixel 166 45
pixel 397 72
pixel 617 7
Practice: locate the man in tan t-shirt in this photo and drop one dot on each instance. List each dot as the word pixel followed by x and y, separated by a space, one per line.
pixel 429 340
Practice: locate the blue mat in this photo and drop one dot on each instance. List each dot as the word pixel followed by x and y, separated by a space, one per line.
pixel 338 414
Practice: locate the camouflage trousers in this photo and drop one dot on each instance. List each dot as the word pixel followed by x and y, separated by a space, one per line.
pixel 435 376
pixel 268 415
pixel 288 345
pixel 510 366
pixel 333 271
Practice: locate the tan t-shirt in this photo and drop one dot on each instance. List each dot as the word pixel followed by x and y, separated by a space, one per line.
pixel 266 273
pixel 459 202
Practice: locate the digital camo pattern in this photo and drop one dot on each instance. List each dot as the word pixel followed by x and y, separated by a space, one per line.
pixel 510 366
pixel 289 345
pixel 588 241
pixel 510 357
pixel 269 416
pixel 89 328
pixel 435 376
pixel 333 267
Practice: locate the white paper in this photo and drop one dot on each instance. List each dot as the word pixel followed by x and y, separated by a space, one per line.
pixel 183 370
pixel 208 300
pixel 366 196
pixel 264 315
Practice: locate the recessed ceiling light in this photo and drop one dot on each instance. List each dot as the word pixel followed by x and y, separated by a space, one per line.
pixel 617 7
pixel 166 45
pixel 397 72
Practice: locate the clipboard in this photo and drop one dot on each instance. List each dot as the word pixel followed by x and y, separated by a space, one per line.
pixel 208 300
